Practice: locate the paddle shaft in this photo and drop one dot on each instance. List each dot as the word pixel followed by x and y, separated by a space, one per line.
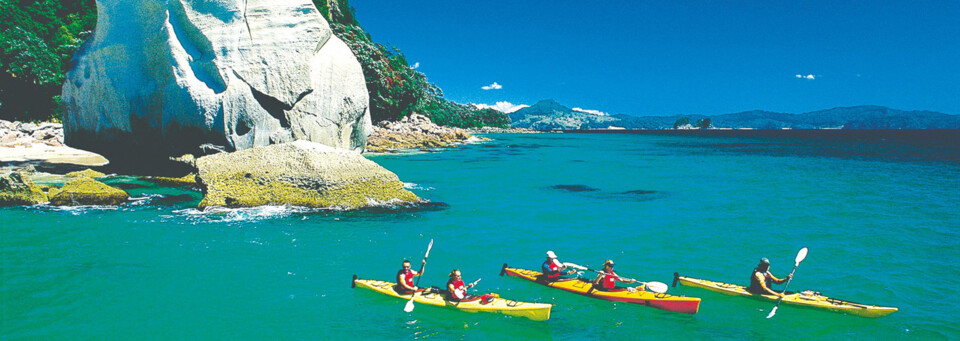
pixel 784 292
pixel 800 256
pixel 409 306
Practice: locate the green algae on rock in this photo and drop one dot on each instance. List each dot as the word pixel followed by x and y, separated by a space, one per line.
pixel 17 189
pixel 87 173
pixel 300 173
pixel 86 191
pixel 186 180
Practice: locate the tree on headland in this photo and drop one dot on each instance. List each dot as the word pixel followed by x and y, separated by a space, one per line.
pixel 681 123
pixel 37 41
pixel 704 123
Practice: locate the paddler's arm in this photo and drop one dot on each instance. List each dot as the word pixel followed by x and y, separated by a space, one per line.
pixel 422 265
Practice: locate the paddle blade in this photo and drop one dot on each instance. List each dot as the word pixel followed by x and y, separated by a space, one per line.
pixel 430 246
pixel 575 266
pixel 800 256
pixel 657 287
pixel 774 310
pixel 409 307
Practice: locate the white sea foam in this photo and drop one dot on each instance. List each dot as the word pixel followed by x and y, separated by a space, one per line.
pixel 226 215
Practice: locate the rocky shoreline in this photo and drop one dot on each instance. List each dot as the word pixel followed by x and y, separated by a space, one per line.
pixel 415 132
pixel 25 134
pixel 27 145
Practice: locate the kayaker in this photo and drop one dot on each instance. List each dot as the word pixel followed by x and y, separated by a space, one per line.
pixel 405 278
pixel 456 290
pixel 607 279
pixel 553 268
pixel 761 279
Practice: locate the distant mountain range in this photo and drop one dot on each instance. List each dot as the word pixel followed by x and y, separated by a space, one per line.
pixel 550 115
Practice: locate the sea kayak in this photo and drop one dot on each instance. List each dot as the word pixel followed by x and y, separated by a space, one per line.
pixel 436 297
pixel 678 304
pixel 804 298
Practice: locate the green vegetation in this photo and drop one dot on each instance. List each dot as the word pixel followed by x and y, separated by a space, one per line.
pixel 39 37
pixel 397 89
pixel 681 122
pixel 37 41
pixel 705 123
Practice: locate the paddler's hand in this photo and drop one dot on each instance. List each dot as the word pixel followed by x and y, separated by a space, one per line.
pixel 789 276
pixel 424 262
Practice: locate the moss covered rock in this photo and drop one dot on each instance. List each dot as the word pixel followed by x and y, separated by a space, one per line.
pixel 87 173
pixel 299 173
pixel 87 191
pixel 186 180
pixel 17 189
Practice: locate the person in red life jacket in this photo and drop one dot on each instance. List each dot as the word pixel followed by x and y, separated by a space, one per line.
pixel 456 290
pixel 761 279
pixel 405 278
pixel 552 268
pixel 607 279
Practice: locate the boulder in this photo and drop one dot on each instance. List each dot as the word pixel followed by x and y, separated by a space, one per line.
pixel 86 191
pixel 17 189
pixel 300 173
pixel 87 173
pixel 164 77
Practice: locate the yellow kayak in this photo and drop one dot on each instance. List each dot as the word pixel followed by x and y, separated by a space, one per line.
pixel 804 298
pixel 533 311
pixel 678 304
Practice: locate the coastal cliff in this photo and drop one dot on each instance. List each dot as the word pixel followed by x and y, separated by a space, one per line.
pixel 161 78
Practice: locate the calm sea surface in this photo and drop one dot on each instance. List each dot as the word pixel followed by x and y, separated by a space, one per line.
pixel 880 215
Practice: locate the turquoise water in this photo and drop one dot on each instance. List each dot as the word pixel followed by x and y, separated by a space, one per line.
pixel 880 230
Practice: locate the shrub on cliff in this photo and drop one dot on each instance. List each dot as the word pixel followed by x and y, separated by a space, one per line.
pixel 37 40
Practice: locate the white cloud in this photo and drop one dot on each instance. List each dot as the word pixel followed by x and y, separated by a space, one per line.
pixel 504 107
pixel 415 65
pixel 809 76
pixel 589 111
pixel 493 86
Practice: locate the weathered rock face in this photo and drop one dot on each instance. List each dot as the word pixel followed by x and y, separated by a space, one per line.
pixel 300 173
pixel 86 191
pixel 17 189
pixel 161 77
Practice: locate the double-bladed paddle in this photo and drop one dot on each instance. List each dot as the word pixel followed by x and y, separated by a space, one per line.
pixel 800 256
pixel 656 287
pixel 409 307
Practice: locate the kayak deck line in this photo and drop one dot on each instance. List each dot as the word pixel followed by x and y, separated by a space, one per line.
pixel 678 304
pixel 808 299
pixel 533 311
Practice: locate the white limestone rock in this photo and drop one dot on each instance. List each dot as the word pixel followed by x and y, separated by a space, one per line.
pixel 161 77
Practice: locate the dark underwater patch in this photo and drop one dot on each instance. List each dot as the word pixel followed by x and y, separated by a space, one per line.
pixel 574 188
pixel 640 192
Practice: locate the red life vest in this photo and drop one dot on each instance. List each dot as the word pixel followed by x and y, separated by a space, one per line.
pixel 608 281
pixel 406 275
pixel 554 269
pixel 458 285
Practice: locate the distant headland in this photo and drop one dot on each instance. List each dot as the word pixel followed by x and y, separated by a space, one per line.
pixel 550 115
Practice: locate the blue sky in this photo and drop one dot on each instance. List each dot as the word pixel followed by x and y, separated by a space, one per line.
pixel 681 57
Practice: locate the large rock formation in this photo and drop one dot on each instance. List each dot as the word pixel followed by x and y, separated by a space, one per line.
pixel 163 77
pixel 300 173
pixel 17 189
